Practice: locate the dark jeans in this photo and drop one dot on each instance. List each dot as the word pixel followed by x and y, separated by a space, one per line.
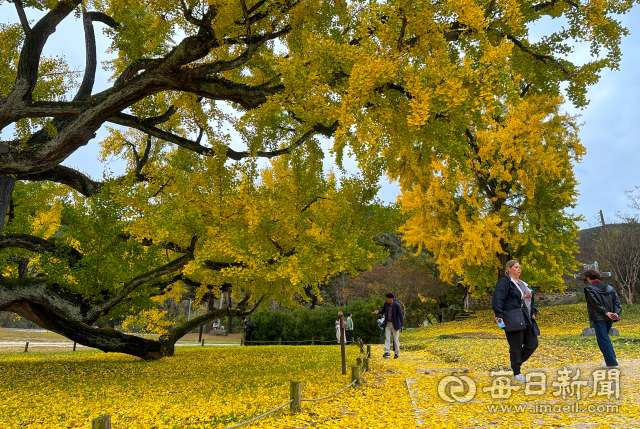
pixel 247 337
pixel 602 328
pixel 522 344
pixel 349 334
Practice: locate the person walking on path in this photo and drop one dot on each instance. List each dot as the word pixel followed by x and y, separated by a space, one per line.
pixel 349 331
pixel 513 305
pixel 603 306
pixel 393 323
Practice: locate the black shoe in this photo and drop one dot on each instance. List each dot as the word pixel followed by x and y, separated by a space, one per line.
pixel 386 355
pixel 396 356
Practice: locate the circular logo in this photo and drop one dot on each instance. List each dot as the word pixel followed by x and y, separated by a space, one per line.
pixel 451 389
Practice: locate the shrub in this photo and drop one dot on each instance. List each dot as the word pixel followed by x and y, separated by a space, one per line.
pixel 304 324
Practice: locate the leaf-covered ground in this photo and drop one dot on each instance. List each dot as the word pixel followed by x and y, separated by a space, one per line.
pixel 220 386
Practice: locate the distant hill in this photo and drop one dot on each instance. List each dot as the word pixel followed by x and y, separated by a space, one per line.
pixel 592 233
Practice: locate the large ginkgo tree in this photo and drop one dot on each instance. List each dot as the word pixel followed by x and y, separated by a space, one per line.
pixel 452 99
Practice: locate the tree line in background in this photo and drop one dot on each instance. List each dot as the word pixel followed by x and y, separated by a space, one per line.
pixel 616 247
pixel 225 112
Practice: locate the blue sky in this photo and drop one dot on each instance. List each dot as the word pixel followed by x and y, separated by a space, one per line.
pixel 608 131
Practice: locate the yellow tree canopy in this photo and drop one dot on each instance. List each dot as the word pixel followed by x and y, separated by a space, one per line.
pixel 452 99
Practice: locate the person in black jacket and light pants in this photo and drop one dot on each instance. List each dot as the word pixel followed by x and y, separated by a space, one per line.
pixel 603 306
pixel 511 293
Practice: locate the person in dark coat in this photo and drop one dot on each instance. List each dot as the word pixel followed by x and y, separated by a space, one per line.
pixel 603 306
pixel 511 293
pixel 393 323
pixel 249 327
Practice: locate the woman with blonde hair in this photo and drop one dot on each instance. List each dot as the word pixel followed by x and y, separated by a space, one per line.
pixel 515 312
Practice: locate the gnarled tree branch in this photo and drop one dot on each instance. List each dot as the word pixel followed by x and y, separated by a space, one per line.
pixel 67 176
pixel 39 245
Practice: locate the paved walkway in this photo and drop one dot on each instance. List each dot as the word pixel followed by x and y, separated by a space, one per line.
pixel 582 396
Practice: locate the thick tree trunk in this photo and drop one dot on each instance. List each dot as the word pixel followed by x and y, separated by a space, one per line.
pixel 108 339
pixel 6 189
pixel 105 339
pixel 504 257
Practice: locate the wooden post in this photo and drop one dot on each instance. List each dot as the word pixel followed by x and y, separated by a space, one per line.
pixel 200 335
pixel 74 346
pixel 342 350
pixel 242 340
pixel 355 374
pixel 366 364
pixel 280 341
pixel 296 395
pixel 312 341
pixel 26 346
pixel 202 343
pixel 102 422
pixel 369 351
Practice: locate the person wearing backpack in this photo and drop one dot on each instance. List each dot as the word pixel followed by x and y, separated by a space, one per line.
pixel 603 307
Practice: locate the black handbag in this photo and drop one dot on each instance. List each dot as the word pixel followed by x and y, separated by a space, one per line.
pixel 514 320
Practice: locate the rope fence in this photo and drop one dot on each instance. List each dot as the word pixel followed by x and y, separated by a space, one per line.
pixel 260 416
pixel 295 403
pixel 312 341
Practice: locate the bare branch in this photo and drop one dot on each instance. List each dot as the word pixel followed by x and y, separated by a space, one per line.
pixel 23 17
pixel 90 47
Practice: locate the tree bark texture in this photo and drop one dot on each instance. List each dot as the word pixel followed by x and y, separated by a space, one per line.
pixel 6 189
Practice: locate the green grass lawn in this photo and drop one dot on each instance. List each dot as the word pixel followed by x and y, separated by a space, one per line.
pixel 52 337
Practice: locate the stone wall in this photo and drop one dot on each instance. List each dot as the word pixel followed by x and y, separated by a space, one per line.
pixel 541 299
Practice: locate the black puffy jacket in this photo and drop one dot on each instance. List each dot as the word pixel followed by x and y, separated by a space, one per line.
pixel 601 299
